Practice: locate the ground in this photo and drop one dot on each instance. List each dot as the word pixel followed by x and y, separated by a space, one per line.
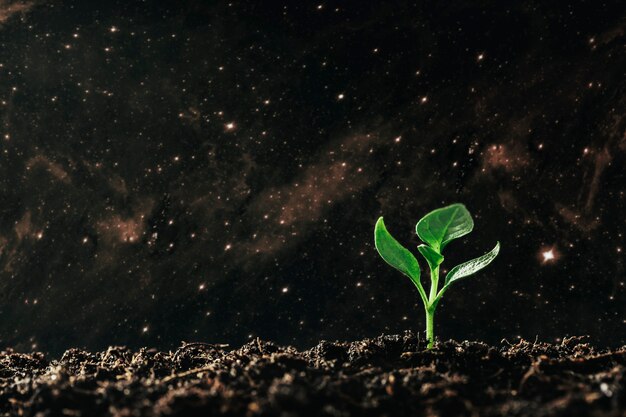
pixel 391 375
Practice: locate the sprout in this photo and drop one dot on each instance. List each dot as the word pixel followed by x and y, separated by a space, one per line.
pixel 436 230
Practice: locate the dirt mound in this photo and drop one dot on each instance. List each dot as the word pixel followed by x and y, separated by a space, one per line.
pixel 385 376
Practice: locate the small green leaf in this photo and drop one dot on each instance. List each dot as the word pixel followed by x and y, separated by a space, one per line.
pixel 394 253
pixel 433 257
pixel 470 267
pixel 443 225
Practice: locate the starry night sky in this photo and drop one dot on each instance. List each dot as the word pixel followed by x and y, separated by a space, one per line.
pixel 212 171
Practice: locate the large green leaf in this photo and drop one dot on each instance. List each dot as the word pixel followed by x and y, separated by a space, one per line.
pixel 433 257
pixel 440 226
pixel 470 267
pixel 394 253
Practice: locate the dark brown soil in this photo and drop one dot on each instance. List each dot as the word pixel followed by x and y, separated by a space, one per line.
pixel 386 376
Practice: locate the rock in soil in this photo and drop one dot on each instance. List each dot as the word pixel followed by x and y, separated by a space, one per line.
pixel 385 376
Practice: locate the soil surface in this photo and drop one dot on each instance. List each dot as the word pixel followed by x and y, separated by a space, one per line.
pixel 385 376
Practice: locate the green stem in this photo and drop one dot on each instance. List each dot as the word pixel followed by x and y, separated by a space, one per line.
pixel 430 308
pixel 434 284
pixel 430 327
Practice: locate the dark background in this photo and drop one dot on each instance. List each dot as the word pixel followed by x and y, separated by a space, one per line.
pixel 212 171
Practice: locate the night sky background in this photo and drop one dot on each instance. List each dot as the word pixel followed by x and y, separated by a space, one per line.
pixel 212 171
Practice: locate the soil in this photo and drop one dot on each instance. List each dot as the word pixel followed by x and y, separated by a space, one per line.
pixel 385 376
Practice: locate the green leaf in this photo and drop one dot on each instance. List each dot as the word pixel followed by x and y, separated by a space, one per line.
pixel 473 266
pixel 443 225
pixel 394 253
pixel 433 257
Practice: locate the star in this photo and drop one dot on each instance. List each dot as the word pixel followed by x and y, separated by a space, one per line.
pixel 548 255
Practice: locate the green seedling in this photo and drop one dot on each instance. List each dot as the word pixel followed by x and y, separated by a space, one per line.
pixel 436 230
